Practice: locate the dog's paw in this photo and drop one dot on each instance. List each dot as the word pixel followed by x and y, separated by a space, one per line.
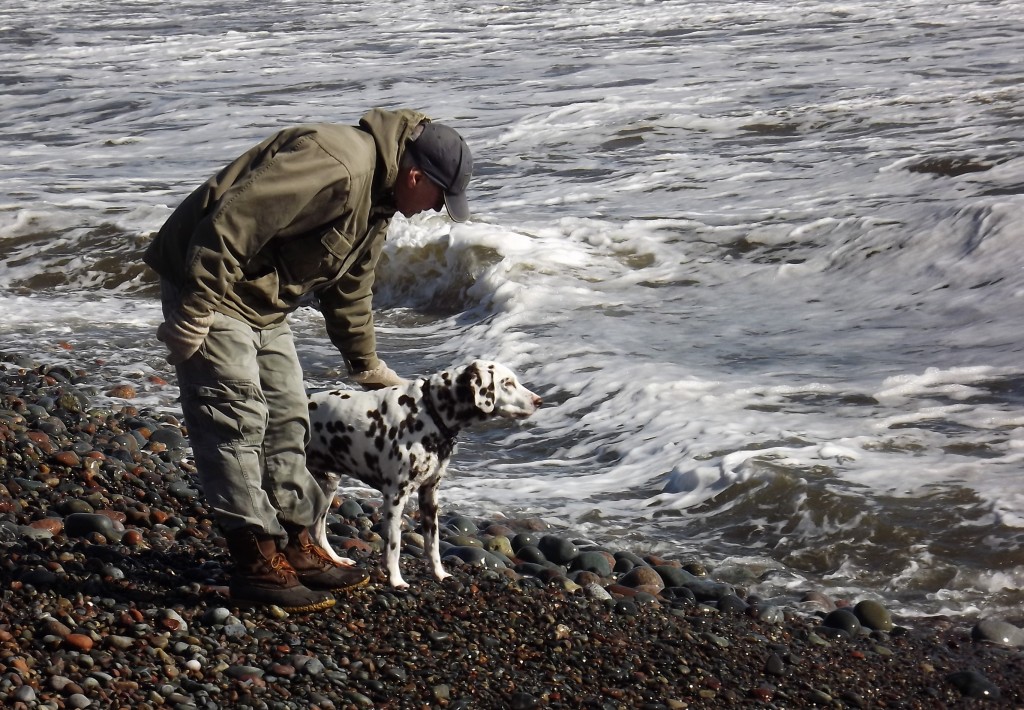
pixel 344 561
pixel 440 574
pixel 399 583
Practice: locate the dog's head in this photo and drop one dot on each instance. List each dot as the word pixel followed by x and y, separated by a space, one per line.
pixel 494 390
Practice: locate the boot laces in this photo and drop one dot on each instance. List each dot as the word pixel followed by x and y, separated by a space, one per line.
pixel 280 566
pixel 317 554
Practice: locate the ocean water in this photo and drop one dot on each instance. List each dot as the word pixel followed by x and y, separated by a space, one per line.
pixel 762 259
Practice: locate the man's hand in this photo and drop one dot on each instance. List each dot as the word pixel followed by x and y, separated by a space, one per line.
pixel 378 378
pixel 183 335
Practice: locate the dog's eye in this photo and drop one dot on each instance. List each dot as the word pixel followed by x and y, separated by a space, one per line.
pixel 508 384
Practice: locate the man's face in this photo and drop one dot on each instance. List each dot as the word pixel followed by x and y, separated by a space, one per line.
pixel 415 193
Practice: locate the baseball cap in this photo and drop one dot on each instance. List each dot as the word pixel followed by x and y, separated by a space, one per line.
pixel 442 154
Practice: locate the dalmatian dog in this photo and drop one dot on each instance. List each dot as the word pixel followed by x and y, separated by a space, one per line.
pixel 399 440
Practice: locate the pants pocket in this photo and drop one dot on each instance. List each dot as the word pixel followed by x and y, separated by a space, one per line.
pixel 225 412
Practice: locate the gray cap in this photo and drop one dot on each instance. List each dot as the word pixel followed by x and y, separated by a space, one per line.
pixel 442 154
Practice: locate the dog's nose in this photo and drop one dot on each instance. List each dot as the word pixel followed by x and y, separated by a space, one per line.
pixel 537 401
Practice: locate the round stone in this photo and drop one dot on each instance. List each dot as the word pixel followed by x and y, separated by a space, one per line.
pixel 530 553
pixel 85 524
pixel 499 543
pixel 558 549
pixel 596 562
pixel 844 620
pixel 524 539
pixel 642 577
pixel 998 632
pixel 462 524
pixel 674 576
pixel 873 615
pixel 476 556
pixel 350 509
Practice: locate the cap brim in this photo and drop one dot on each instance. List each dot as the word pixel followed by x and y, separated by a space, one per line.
pixel 457 205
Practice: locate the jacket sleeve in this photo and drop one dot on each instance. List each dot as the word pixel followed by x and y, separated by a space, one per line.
pixel 347 307
pixel 251 213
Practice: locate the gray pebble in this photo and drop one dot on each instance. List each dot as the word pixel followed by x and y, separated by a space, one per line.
pixel 1000 632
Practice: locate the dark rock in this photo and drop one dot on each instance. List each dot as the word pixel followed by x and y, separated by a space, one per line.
pixel 558 549
pixel 843 619
pixel 973 684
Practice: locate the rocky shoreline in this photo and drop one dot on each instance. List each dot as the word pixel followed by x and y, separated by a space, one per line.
pixel 113 596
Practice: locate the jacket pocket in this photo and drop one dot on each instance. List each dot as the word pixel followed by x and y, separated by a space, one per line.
pixel 312 259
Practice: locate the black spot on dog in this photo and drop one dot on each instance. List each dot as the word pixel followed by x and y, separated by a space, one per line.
pixel 313 405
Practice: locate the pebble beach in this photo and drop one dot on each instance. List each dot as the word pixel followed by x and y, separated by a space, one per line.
pixel 114 596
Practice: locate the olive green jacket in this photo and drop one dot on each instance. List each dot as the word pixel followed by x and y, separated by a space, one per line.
pixel 305 211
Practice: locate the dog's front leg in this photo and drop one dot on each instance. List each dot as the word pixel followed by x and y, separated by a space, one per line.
pixel 428 521
pixel 394 505
pixel 319 534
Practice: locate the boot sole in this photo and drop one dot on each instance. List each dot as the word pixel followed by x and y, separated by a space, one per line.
pixel 319 606
pixel 300 609
pixel 350 587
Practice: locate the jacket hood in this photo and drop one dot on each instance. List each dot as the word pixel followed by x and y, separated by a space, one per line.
pixel 390 131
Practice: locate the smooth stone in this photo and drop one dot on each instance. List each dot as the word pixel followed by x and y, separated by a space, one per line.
pixel 999 632
pixel 235 631
pixel 182 491
pixel 170 437
pixel 770 614
pixel 244 672
pixel 873 615
pixel 501 544
pixel 675 576
pixel 39 577
pixel 32 532
pixel 596 591
pixel 707 591
pixel 462 524
pixel 524 539
pixel 25 694
pixel 622 565
pixel 843 619
pixel 642 577
pixel 632 558
pixel 84 524
pixel 595 562
pixel 530 553
pixel 558 549
pixel 461 540
pixel 350 509
pixel 216 615
pixel 79 701
pixel 476 556
pixel 972 684
pixel 774 665
pixel 731 604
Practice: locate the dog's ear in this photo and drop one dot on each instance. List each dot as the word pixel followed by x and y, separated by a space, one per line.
pixel 476 385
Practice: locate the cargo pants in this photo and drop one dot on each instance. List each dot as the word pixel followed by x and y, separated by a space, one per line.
pixel 245 406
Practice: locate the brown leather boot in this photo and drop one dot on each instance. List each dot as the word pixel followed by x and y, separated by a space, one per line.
pixel 314 567
pixel 263 576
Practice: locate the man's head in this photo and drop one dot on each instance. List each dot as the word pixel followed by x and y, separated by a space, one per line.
pixel 435 172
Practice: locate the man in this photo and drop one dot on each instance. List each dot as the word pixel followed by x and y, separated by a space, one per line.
pixel 304 212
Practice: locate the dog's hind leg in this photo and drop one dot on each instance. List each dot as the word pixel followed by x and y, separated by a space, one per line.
pixel 428 522
pixel 394 504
